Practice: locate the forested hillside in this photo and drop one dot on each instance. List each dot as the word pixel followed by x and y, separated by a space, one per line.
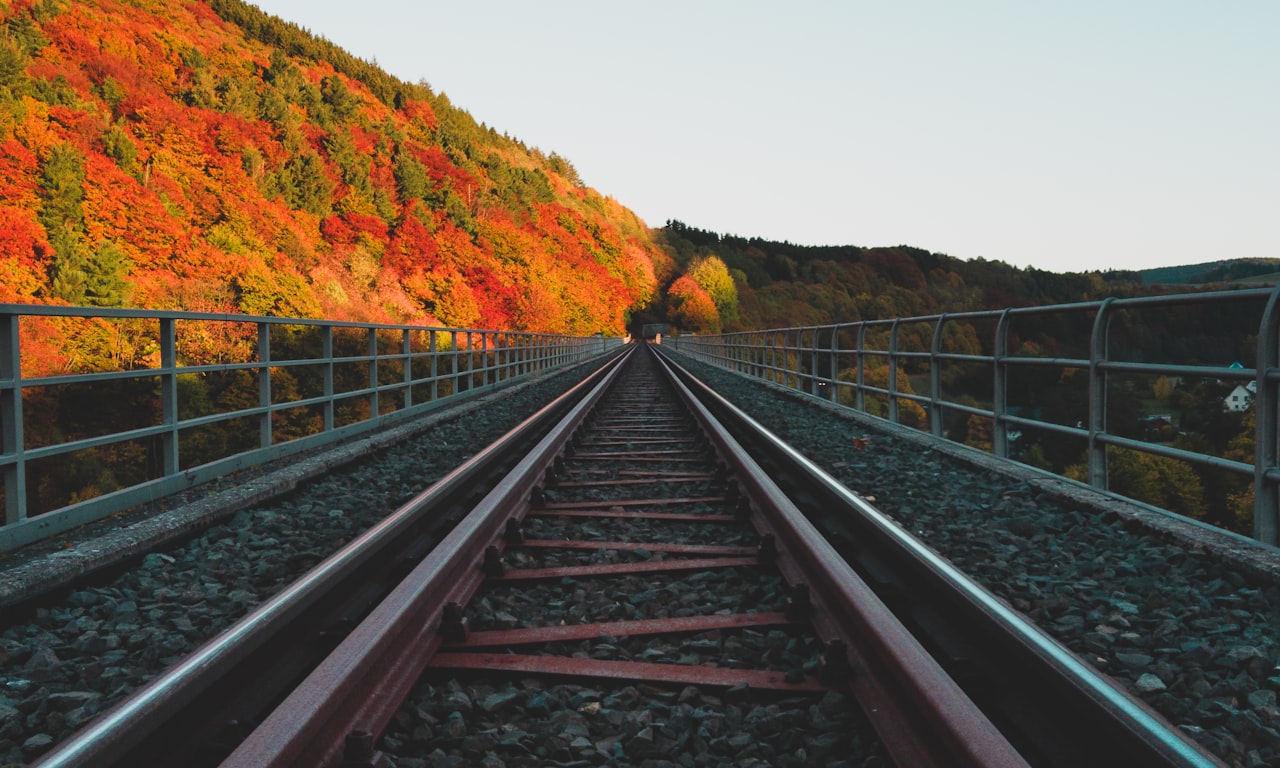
pixel 781 284
pixel 205 156
pixel 1256 271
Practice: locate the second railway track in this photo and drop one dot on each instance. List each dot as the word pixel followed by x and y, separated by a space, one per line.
pixel 637 589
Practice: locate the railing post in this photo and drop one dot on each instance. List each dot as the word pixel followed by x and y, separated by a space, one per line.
pixel 406 367
pixel 813 363
pixel 326 350
pixel 371 349
pixel 835 363
pixel 1000 388
pixel 484 357
pixel 11 439
pixel 791 371
pixel 1266 404
pixel 1098 396
pixel 504 356
pixel 453 361
pixel 433 353
pixel 169 395
pixel 264 384
pixel 935 379
pixel 859 395
pixel 471 361
pixel 893 373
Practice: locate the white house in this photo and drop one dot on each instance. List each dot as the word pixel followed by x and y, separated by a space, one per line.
pixel 1240 399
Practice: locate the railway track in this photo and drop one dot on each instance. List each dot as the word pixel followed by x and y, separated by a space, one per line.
pixel 635 560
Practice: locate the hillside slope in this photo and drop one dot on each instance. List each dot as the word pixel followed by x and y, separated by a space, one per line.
pixel 203 155
pixel 782 284
pixel 1252 271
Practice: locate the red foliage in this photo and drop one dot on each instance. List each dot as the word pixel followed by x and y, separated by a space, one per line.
pixel 335 230
pixel 19 169
pixel 365 139
pixel 84 128
pixel 440 167
pixel 119 209
pixel 347 229
pixel 203 13
pixel 24 255
pixel 421 113
pixel 411 248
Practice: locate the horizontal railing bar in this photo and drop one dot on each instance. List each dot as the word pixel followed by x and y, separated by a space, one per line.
pixel 45 310
pixel 1157 449
pixel 962 408
pixel 1201 371
pixel 1048 426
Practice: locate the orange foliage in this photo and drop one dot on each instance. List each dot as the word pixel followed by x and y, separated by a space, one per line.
pixel 194 167
pixel 24 256
pixel 691 307
pixel 421 114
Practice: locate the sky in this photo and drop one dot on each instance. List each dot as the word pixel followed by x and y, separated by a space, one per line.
pixel 1068 136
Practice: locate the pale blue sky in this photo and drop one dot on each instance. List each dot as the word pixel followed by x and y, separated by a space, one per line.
pixel 1070 135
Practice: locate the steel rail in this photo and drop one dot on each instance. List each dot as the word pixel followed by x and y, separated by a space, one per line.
pixel 332 716
pixel 1123 730
pixel 389 649
pixel 109 739
pixel 921 714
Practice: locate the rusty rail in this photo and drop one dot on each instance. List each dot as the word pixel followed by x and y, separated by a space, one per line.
pixel 337 713
pixel 1045 696
pixel 352 695
pixel 127 732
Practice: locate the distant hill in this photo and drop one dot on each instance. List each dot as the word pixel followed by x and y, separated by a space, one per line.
pixel 1252 271
pixel 204 155
pixel 783 284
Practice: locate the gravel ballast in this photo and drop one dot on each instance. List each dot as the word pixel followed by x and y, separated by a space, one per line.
pixel 79 654
pixel 1176 620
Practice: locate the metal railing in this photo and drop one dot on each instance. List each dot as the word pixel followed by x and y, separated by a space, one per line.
pixel 211 394
pixel 864 362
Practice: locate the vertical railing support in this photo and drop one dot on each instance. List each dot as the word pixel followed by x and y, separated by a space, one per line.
pixel 859 394
pixel 1266 404
pixel 433 351
pixel 1000 388
pixel 371 349
pixel 1098 396
pixel 484 358
pixel 835 363
pixel 935 379
pixel 326 351
pixel 814 389
pixel 453 362
pixel 406 367
pixel 893 373
pixel 11 439
pixel 264 384
pixel 169 395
